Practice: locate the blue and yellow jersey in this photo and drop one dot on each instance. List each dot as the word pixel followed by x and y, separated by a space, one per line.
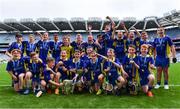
pixel 46 74
pixel 43 49
pixel 29 47
pixel 129 42
pixel 66 64
pixel 120 47
pixel 163 46
pixel 137 44
pixel 102 50
pixel 16 66
pixel 108 34
pixel 78 65
pixel 130 68
pixel 36 68
pixel 93 45
pixel 144 64
pixel 55 48
pixel 77 46
pixel 95 67
pixel 15 45
pixel 113 69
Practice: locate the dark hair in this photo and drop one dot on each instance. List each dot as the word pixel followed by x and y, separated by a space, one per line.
pixel 99 35
pixel 18 35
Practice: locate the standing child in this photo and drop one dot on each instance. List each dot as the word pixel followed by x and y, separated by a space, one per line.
pixel 163 46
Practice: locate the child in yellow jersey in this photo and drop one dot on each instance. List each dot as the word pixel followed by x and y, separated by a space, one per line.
pixel 67 47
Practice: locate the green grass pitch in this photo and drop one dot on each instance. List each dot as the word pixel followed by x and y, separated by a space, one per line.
pixel 162 98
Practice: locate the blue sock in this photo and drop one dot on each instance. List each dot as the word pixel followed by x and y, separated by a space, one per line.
pixel 149 88
pixel 159 83
pixel 165 82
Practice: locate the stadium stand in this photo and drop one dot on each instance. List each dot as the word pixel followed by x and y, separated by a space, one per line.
pixel 9 27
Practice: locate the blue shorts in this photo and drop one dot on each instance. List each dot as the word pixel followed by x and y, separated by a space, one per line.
pixel 38 80
pixel 95 77
pixel 120 57
pixel 113 77
pixel 144 79
pixel 162 62
pixel 87 76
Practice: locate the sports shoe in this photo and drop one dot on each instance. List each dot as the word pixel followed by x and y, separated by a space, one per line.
pixel 26 92
pixel 150 94
pixel 39 94
pixel 99 92
pixel 157 86
pixel 57 91
pixel 166 87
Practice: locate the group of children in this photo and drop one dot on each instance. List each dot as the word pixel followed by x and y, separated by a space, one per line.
pixel 107 64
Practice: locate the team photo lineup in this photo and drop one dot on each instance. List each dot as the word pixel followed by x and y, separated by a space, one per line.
pixel 104 64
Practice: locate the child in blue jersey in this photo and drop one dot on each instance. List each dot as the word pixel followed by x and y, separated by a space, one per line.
pixel 107 36
pixel 146 63
pixel 62 66
pixel 76 69
pixel 144 40
pixel 101 50
pixel 86 59
pixel 43 47
pixel 19 44
pixel 30 46
pixel 78 44
pixel 120 46
pixel 131 66
pixel 95 68
pixel 163 46
pixel 112 68
pixel 51 77
pixel 16 69
pixel 34 71
pixel 91 42
pixel 55 46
